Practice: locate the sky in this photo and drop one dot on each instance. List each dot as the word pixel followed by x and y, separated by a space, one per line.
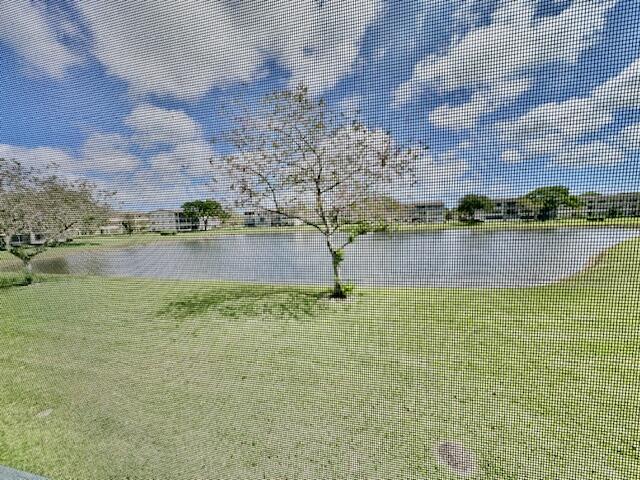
pixel 509 95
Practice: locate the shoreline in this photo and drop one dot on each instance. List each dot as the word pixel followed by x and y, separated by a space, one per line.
pixel 96 243
pixel 591 263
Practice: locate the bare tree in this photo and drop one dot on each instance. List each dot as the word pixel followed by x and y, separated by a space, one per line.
pixel 294 156
pixel 35 203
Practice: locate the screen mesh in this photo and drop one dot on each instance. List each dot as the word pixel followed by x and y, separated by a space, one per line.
pixel 330 239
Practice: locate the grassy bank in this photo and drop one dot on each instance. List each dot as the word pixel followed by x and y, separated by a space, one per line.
pixel 114 378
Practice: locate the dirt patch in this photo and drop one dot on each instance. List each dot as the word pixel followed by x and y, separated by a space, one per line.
pixel 457 458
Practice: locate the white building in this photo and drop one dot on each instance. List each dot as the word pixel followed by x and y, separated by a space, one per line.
pixel 18 240
pixel 165 220
pixel 426 212
pixel 604 206
pixel 506 209
pixel 139 222
pixel 268 219
pixel 170 221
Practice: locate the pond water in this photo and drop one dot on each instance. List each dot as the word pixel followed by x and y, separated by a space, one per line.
pixel 458 258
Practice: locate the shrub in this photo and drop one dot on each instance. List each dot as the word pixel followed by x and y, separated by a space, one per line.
pixel 14 279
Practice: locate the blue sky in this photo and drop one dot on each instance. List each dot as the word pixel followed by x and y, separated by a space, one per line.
pixel 508 94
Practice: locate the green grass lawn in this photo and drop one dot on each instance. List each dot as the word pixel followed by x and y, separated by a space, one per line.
pixel 112 378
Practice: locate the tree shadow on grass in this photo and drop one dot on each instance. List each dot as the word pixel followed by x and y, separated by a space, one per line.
pixel 237 302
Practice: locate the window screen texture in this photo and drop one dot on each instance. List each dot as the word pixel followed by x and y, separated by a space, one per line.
pixel 320 239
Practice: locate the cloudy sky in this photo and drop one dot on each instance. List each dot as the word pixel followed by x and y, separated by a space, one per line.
pixel 508 94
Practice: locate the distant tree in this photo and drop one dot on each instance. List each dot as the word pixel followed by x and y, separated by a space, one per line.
pixel 528 209
pixel 472 203
pixel 204 209
pixel 614 212
pixel 449 214
pixel 32 202
pixel 545 201
pixel 379 208
pixel 294 156
pixel 128 224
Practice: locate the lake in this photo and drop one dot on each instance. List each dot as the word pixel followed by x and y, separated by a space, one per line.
pixel 452 258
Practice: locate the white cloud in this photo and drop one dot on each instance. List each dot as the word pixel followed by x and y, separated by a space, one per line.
pixel 166 184
pixel 553 123
pixel 466 14
pixel 465 116
pixel 178 169
pixel 351 105
pixel 622 90
pixel 560 130
pixel 102 153
pixel 629 137
pixel 444 167
pixel 590 154
pixel 154 125
pixel 496 61
pixel 43 158
pixel 191 159
pixel 183 49
pixel 188 153
pixel 24 26
pixel 437 176
pixel 319 46
pixel 459 117
pixel 108 153
pixel 150 189
pixel 511 156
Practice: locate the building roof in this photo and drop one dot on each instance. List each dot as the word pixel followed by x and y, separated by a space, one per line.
pixel 611 196
pixel 427 204
pixel 165 210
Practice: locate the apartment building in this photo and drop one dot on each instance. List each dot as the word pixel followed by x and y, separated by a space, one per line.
pixel 34 239
pixel 425 212
pixel 115 224
pixel 165 220
pixel 604 206
pixel 268 219
pixel 506 209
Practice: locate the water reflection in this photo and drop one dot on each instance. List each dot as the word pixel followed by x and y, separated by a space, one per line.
pixel 446 258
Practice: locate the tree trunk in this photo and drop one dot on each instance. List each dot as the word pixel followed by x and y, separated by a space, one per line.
pixel 28 271
pixel 336 260
pixel 206 222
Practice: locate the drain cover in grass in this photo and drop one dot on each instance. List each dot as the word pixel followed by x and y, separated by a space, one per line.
pixel 7 473
pixel 457 458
